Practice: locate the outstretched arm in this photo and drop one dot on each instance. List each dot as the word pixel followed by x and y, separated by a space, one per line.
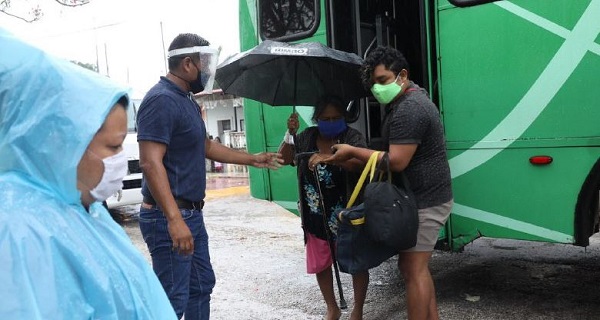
pixel 218 152
pixel 399 155
pixel 352 164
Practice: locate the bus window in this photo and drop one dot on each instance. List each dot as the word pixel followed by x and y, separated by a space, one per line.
pixel 287 20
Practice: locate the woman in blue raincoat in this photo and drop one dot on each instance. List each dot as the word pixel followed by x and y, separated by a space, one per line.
pixel 62 255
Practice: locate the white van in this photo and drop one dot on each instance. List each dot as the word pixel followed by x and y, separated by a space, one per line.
pixel 132 184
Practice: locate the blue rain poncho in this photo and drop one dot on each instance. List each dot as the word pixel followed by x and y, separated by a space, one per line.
pixel 57 260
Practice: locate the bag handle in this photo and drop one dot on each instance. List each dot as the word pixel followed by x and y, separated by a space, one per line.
pixel 369 168
pixel 386 159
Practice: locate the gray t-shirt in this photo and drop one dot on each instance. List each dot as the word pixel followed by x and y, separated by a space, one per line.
pixel 414 119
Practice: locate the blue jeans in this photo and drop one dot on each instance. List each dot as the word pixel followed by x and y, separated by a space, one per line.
pixel 187 280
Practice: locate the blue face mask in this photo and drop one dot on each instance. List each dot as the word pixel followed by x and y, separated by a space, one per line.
pixel 331 129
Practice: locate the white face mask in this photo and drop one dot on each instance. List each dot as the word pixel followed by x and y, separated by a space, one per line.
pixel 115 169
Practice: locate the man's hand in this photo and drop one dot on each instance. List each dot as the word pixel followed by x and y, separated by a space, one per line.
pixel 268 160
pixel 341 153
pixel 183 242
pixel 315 159
pixel 292 123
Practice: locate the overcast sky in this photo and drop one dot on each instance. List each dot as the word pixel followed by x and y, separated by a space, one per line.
pixel 126 33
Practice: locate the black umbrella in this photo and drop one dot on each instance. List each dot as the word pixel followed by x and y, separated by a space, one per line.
pixel 282 74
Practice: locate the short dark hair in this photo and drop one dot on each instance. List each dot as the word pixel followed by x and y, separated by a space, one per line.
pixel 185 40
pixel 391 58
pixel 329 100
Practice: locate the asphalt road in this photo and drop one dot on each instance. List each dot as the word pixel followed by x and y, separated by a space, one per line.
pixel 258 257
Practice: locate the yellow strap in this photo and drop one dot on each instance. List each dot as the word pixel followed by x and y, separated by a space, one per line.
pixel 371 165
pixel 358 222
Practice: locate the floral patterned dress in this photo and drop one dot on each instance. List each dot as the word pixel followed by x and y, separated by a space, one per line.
pixel 333 182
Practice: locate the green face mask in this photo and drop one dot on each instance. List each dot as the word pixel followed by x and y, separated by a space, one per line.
pixel 385 93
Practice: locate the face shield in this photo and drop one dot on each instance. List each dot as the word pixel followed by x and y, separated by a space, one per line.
pixel 207 58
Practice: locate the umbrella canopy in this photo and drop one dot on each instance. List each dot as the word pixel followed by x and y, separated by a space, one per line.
pixel 282 74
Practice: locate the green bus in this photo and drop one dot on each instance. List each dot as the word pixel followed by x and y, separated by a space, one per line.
pixel 518 87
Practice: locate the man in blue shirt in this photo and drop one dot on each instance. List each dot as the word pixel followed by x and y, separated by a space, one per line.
pixel 173 148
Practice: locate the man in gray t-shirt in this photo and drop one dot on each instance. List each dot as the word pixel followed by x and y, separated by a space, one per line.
pixel 413 119
pixel 415 142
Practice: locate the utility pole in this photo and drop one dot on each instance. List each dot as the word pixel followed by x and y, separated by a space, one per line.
pixel 96 42
pixel 97 58
pixel 162 38
pixel 106 59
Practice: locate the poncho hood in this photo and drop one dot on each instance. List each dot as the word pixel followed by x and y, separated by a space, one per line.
pixel 50 110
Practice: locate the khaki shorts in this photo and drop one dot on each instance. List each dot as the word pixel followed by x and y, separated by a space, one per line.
pixel 430 221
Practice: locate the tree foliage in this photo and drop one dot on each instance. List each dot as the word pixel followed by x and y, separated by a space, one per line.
pixel 35 12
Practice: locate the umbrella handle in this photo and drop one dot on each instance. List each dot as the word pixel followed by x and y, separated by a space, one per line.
pixel 294 135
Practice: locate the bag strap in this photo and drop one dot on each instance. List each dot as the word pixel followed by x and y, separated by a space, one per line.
pixel 386 159
pixel 369 168
pixel 373 167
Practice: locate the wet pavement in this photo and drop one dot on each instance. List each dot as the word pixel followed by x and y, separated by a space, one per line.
pixel 258 256
pixel 222 181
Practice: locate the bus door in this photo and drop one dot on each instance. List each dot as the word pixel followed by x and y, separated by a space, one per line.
pixel 360 25
pixel 406 25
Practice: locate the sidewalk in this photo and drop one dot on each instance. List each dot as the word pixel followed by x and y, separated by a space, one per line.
pixel 225 184
pixel 212 175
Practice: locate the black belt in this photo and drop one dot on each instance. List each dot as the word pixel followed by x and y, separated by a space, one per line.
pixel 181 203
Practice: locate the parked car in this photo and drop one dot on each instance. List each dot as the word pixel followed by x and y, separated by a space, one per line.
pixel 132 184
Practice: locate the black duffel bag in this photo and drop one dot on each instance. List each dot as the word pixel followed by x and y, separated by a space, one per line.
pixel 356 251
pixel 392 216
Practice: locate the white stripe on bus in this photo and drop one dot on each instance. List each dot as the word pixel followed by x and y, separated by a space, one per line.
pixel 542 22
pixel 509 223
pixel 533 103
